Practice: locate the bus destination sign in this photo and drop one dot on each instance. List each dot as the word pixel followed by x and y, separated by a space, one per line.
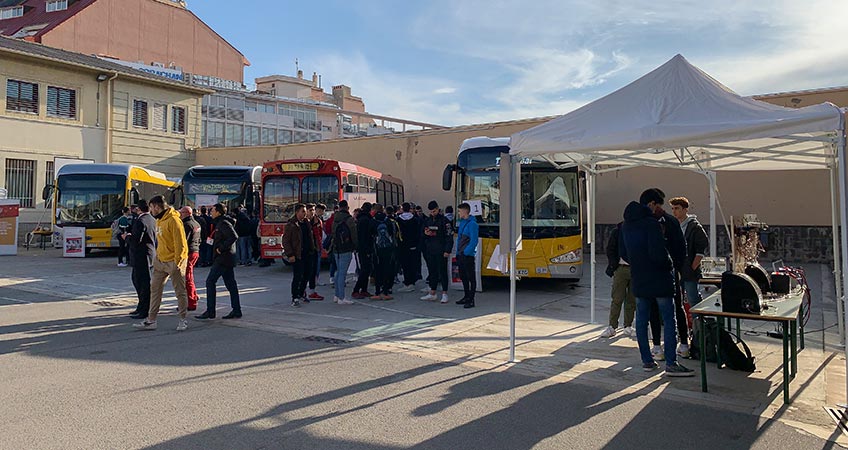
pixel 300 167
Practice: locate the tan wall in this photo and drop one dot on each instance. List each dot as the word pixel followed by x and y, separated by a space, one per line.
pixel 148 31
pixel 41 138
pixel 164 151
pixel 780 198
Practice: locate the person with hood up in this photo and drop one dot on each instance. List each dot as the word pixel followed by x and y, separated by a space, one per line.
pixel 409 250
pixel 343 241
pixel 223 243
pixel 652 270
pixel 438 243
pixel 384 232
pixel 364 251
pixel 170 262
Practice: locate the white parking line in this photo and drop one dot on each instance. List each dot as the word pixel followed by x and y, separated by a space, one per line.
pixel 14 300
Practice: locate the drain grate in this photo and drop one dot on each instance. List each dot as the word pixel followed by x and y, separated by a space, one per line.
pixel 840 416
pixel 106 303
pixel 325 340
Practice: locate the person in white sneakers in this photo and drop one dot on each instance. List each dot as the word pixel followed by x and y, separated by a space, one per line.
pixel 438 244
pixel 622 294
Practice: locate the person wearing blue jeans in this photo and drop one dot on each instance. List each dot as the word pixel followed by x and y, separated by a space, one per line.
pixel 343 235
pixel 697 243
pixel 644 246
pixel 244 245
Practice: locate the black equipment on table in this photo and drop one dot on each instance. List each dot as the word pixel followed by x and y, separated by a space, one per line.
pixel 760 276
pixel 740 294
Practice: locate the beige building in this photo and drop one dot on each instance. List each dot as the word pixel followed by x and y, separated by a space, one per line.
pixel 68 105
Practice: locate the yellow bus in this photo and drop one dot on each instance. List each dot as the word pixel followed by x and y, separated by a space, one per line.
pixel 91 196
pixel 551 225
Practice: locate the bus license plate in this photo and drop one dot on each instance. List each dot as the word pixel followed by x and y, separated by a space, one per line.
pixel 522 272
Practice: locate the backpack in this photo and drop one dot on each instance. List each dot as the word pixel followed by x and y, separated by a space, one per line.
pixel 116 229
pixel 342 239
pixel 731 356
pixel 385 239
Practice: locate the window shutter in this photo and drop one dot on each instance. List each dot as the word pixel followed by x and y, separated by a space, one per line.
pixel 160 117
pixel 61 102
pixel 140 113
pixel 21 96
pixel 178 120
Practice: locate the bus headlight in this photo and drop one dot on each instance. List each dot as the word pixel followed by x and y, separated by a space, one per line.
pixel 271 241
pixel 568 258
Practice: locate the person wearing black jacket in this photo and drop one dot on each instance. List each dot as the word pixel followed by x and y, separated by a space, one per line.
pixel 622 294
pixel 245 236
pixel 205 222
pixel 437 246
pixel 223 262
pixel 646 249
pixel 676 245
pixel 193 233
pixel 696 247
pixel 409 249
pixel 364 251
pixel 385 236
pixel 142 246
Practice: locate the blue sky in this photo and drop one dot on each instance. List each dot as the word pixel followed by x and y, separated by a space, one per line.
pixel 469 61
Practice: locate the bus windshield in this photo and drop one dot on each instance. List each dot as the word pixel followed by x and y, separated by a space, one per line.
pixel 207 192
pixel 279 195
pixel 91 200
pixel 322 189
pixel 549 197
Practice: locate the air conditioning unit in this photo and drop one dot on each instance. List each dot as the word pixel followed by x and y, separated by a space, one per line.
pixel 157 64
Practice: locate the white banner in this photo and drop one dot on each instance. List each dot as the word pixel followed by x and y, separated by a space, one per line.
pixel 74 242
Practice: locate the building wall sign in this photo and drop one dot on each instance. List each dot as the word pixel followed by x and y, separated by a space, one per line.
pixel 174 74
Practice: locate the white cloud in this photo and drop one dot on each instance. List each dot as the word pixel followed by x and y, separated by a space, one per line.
pixel 445 90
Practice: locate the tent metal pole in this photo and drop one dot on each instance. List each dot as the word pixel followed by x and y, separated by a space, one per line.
pixel 711 176
pixel 512 295
pixel 515 224
pixel 592 219
pixel 837 269
pixel 843 214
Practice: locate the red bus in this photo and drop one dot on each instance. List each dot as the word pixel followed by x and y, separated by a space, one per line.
pixel 291 181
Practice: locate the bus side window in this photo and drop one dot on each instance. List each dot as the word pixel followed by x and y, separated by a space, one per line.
pixel 381 192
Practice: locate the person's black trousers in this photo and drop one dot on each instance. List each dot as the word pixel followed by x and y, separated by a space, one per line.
pixel 437 265
pixel 416 263
pixel 408 266
pixel 682 324
pixel 141 273
pixel 123 254
pixel 656 323
pixel 298 286
pixel 229 275
pixel 311 262
pixel 366 266
pixel 468 274
pixel 385 270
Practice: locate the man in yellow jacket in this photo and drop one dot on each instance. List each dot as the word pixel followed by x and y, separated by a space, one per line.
pixel 170 262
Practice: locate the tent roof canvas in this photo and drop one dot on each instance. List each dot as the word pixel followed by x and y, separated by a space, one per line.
pixel 678 116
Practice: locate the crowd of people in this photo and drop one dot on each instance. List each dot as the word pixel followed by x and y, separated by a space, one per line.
pixel 654 258
pixel 380 245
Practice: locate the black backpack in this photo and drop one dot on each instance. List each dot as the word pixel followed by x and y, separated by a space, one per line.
pixel 731 356
pixel 342 239
pixel 385 239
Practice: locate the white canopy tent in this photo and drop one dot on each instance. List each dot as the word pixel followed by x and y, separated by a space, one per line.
pixel 679 117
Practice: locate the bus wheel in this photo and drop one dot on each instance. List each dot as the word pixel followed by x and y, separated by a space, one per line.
pixel 87 251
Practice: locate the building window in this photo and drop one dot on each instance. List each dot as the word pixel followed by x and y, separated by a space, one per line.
pixel 314 137
pixel 49 174
pixel 140 114
pixel 234 135
pixel 178 119
pixel 267 108
pixel 20 178
pixel 11 13
pixel 57 5
pixel 160 117
pixel 21 96
pixel 215 138
pixel 251 135
pixel 300 136
pixel 284 136
pixel 251 106
pixel 61 102
pixel 269 136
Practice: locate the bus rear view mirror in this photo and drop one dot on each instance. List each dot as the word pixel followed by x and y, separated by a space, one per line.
pixel 47 192
pixel 447 177
pixel 134 197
